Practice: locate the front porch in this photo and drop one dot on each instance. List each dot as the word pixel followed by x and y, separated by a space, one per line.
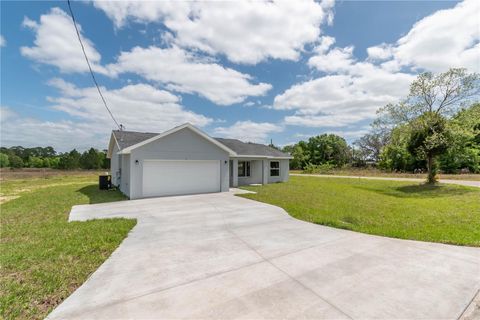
pixel 247 171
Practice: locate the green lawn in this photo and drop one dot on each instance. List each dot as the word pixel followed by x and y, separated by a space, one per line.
pixel 443 213
pixel 43 257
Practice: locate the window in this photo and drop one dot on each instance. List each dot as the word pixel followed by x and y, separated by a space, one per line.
pixel 244 168
pixel 274 168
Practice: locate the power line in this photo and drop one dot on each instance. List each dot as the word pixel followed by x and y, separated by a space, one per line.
pixel 120 126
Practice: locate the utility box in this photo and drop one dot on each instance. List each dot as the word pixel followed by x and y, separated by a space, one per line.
pixel 105 182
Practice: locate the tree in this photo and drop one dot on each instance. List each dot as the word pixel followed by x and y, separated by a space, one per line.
pixel 429 138
pixel 328 148
pixel 4 160
pixel 370 145
pixel 431 99
pixel 15 161
pixel 91 159
pixel 70 160
pixel 442 94
pixel 464 150
pixel 297 151
pixel 35 162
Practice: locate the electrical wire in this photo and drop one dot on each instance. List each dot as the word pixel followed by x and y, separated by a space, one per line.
pixel 120 127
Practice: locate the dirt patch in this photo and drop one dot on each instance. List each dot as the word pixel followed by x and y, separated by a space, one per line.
pixel 4 199
pixel 32 173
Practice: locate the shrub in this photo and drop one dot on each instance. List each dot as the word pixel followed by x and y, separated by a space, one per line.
pixel 4 160
pixel 15 161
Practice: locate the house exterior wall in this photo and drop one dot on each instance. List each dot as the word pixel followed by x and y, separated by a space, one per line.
pixel 181 145
pixel 260 171
pixel 256 172
pixel 284 168
pixel 125 165
pixel 115 166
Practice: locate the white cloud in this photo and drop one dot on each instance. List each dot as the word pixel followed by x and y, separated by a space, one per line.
pixel 56 43
pixel 248 131
pixel 380 52
pixel 342 99
pixel 139 107
pixel 245 31
pixel 336 60
pixel 3 42
pixel 353 90
pixel 185 72
pixel 447 38
pixel 352 94
pixel 324 44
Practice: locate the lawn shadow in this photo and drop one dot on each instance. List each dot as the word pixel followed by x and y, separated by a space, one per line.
pixel 423 191
pixel 95 195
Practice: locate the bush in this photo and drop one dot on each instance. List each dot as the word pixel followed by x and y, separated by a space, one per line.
pixel 4 160
pixel 15 161
pixel 323 168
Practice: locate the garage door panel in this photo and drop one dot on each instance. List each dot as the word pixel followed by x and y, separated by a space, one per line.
pixel 177 177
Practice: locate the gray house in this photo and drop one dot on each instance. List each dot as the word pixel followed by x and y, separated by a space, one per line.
pixel 185 160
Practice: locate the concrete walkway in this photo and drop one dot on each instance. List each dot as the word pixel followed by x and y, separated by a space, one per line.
pixel 224 257
pixel 467 183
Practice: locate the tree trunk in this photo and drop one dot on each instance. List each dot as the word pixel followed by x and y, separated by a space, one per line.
pixel 432 171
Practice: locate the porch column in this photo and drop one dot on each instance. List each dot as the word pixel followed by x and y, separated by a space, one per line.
pixel 235 173
pixel 265 170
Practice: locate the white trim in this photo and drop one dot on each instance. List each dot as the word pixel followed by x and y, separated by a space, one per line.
pixel 245 169
pixel 261 157
pixel 110 150
pixel 276 169
pixel 183 126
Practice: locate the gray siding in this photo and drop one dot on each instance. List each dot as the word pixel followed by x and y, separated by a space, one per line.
pixel 115 166
pixel 181 145
pixel 125 183
pixel 284 168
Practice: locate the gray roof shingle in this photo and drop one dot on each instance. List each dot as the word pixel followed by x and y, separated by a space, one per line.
pixel 129 138
pixel 251 149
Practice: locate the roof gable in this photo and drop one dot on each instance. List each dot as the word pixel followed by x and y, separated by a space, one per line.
pixel 171 131
pixel 129 140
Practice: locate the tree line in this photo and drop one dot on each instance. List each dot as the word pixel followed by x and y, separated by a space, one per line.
pixel 47 157
pixel 435 127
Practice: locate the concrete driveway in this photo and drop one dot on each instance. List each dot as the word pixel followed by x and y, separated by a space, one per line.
pixel 221 256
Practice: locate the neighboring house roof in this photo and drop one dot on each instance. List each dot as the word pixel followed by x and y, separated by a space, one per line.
pixel 129 140
pixel 252 149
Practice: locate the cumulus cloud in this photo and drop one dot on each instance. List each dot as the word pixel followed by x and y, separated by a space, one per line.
pixel 188 73
pixel 249 131
pixel 56 43
pixel 336 60
pixel 139 107
pixel 244 31
pixel 380 52
pixel 3 42
pixel 447 38
pixel 351 91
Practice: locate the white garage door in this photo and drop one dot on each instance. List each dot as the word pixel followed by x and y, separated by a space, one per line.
pixel 167 177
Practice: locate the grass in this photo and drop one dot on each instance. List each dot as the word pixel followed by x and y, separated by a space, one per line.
pixel 444 213
pixel 372 172
pixel 43 257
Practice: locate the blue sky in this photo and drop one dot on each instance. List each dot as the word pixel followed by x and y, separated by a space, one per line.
pixel 248 70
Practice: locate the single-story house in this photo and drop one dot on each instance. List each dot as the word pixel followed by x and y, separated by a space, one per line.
pixel 185 160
